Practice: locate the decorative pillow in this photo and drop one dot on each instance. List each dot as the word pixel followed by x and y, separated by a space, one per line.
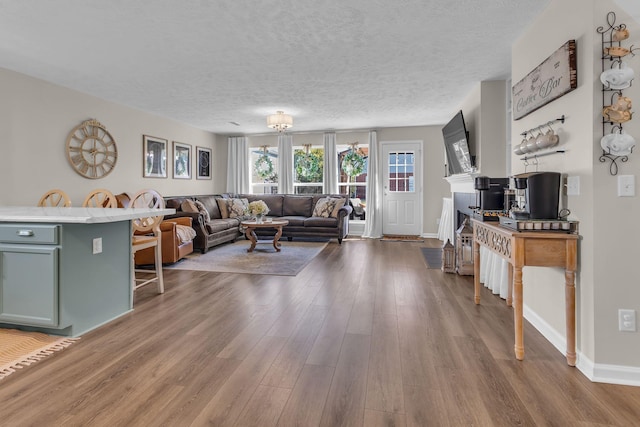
pixel 237 208
pixel 185 233
pixel 202 210
pixel 339 203
pixel 324 207
pixel 222 205
pixel 188 206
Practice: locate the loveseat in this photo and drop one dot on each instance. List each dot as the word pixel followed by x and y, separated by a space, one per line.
pixel 214 226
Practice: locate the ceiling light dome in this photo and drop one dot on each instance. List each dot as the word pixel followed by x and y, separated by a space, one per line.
pixel 280 121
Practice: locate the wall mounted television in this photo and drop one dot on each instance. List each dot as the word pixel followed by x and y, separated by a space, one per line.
pixel 456 145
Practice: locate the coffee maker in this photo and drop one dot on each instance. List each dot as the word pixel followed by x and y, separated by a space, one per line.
pixel 490 198
pixel 537 195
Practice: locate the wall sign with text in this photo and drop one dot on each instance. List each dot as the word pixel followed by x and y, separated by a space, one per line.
pixel 556 76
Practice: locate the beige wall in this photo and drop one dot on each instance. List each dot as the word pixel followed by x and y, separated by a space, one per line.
pixel 485 118
pixel 607 249
pixel 35 120
pixel 434 187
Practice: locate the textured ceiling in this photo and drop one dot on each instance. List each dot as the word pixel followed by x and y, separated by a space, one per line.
pixel 348 64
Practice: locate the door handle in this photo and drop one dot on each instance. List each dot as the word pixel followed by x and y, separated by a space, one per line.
pixel 25 233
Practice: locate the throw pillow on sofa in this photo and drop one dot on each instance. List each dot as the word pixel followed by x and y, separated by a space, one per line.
pixel 222 205
pixel 237 208
pixel 194 206
pixel 202 210
pixel 339 204
pixel 324 207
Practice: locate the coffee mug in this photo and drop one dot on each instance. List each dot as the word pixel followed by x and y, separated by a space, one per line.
pixel 616 116
pixel 619 35
pixel 518 150
pixel 531 144
pixel 618 51
pixel 617 78
pixel 622 104
pixel 547 140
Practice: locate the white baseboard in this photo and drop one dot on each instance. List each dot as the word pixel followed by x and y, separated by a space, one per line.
pixel 429 235
pixel 596 372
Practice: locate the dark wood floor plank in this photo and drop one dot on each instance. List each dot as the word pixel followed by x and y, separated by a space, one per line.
pixel 286 368
pixel 346 399
pixel 264 407
pixel 308 397
pixel 384 382
pixel 228 403
pixel 383 419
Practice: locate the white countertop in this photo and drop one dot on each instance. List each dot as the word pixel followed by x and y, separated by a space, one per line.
pixel 76 215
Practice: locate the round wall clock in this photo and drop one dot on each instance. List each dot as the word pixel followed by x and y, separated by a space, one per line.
pixel 91 150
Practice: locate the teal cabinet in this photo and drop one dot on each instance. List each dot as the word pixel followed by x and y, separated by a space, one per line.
pixel 29 285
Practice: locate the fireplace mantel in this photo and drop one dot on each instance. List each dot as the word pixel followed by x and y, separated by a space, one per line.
pixel 462 182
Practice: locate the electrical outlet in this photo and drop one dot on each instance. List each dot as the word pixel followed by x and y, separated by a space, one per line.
pixel 573 185
pixel 626 320
pixel 626 185
pixel 97 245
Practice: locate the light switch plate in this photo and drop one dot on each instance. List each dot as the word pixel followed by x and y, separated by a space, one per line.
pixel 626 185
pixel 573 186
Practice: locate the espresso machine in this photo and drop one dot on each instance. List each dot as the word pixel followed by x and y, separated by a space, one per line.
pixel 537 196
pixel 490 198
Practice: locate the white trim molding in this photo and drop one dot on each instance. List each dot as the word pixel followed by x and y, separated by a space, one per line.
pixel 596 372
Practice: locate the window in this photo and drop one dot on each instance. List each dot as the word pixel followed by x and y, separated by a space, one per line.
pixel 264 170
pixel 352 177
pixel 308 164
pixel 401 172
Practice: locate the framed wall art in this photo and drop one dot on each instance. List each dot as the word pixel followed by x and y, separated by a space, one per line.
pixel 556 76
pixel 181 160
pixel 154 153
pixel 203 163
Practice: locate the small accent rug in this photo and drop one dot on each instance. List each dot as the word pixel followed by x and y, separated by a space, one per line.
pixel 234 258
pixel 393 238
pixel 433 256
pixel 19 348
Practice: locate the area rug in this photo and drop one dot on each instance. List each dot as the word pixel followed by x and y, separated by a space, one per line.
pixel 393 238
pixel 19 348
pixel 234 258
pixel 433 256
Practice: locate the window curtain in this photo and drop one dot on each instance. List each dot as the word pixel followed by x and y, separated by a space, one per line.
pixel 285 164
pixel 238 165
pixel 373 220
pixel 330 168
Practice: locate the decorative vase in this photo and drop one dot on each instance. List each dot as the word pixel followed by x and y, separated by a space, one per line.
pixel 258 218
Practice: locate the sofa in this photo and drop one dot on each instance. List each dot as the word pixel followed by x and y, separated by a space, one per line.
pixel 214 226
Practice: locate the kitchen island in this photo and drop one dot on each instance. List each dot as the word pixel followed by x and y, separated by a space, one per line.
pixel 66 271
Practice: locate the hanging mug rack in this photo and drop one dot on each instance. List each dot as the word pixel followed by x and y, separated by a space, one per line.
pixel 616 76
pixel 538 139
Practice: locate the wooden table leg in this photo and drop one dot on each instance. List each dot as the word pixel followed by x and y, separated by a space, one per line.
pixel 476 272
pixel 251 235
pixel 276 238
pixel 510 285
pixel 517 312
pixel 570 314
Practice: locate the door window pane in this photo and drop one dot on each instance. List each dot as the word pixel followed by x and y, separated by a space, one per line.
pixel 401 171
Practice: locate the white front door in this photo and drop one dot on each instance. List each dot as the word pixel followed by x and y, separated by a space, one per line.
pixel 402 188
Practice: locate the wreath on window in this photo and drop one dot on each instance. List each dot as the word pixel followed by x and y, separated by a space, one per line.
pixel 308 166
pixel 264 167
pixel 353 163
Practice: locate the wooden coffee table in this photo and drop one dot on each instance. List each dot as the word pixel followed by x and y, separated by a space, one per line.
pixel 250 231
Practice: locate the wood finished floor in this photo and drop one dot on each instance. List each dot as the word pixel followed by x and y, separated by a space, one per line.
pixel 365 335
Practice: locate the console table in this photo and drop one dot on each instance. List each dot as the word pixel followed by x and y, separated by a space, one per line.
pixel 529 248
